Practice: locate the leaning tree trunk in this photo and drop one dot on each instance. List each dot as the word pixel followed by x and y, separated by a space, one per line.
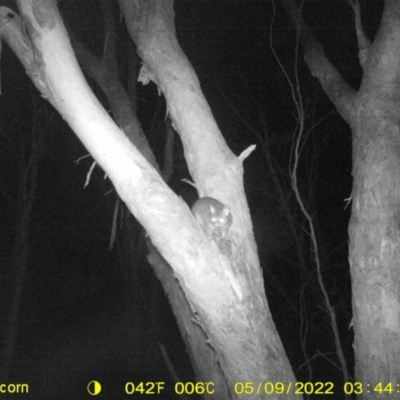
pixel 223 287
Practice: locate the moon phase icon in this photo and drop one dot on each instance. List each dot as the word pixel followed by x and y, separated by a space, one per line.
pixel 94 388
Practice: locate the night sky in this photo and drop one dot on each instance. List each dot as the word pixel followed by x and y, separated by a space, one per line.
pixel 75 320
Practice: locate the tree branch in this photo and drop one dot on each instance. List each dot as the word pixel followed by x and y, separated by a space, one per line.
pixel 341 94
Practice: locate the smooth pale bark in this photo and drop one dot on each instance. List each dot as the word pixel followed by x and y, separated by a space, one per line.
pixel 254 346
pixel 225 294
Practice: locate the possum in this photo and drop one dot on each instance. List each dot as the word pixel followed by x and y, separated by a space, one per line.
pixel 213 217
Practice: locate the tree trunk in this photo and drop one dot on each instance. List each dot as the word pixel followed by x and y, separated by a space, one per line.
pixel 374 230
pixel 375 241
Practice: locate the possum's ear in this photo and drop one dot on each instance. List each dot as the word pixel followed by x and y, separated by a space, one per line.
pixel 226 210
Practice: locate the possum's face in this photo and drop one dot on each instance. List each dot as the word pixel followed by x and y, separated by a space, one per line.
pixel 220 219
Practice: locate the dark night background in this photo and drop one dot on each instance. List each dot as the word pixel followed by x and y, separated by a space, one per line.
pixel 76 321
